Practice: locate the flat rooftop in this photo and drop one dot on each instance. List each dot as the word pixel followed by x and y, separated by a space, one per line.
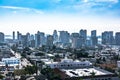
pixel 85 72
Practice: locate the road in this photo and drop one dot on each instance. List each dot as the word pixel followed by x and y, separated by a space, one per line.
pixel 24 62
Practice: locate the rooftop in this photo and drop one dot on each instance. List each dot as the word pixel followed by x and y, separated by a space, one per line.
pixel 85 72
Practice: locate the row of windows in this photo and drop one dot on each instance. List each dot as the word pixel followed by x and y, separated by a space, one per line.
pixel 103 79
pixel 89 79
pixel 12 62
pixel 71 65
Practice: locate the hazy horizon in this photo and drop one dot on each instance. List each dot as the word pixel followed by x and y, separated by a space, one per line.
pixel 68 15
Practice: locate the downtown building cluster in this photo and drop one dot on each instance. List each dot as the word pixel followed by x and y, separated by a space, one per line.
pixel 64 39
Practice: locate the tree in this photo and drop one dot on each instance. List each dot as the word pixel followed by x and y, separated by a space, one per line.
pixel 20 72
pixel 30 69
pixel 92 75
pixel 1 77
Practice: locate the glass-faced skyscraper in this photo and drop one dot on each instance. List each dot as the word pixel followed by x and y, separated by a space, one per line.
pixel 2 37
pixel 94 39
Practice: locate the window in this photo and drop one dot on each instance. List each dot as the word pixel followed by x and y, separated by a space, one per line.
pixel 109 79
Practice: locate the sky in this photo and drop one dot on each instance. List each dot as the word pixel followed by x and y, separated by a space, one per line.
pixel 68 15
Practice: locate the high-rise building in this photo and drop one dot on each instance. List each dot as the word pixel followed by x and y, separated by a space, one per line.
pixel 32 41
pixel 37 39
pixel 117 38
pixel 49 41
pixel 2 37
pixel 83 35
pixel 75 35
pixel 93 33
pixel 94 39
pixel 13 35
pixel 18 35
pixel 64 37
pixel 55 36
pixel 107 38
pixel 24 40
pixel 28 39
pixel 42 38
pixel 76 42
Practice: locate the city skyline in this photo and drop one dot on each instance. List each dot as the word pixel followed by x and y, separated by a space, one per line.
pixel 68 15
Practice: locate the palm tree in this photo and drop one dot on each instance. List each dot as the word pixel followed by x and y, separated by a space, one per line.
pixel 92 75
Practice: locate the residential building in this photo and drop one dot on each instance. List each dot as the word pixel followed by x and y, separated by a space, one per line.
pixel 2 37
pixel 55 36
pixel 67 64
pixel 94 39
pixel 107 38
pixel 83 36
pixel 117 38
pixel 13 35
pixel 64 37
pixel 49 41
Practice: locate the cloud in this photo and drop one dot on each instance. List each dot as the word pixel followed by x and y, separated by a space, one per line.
pixel 22 9
pixel 111 1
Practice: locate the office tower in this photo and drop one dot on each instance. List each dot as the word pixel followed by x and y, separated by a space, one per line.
pixel 28 39
pixel 32 37
pixel 64 37
pixel 83 36
pixel 18 35
pixel 107 38
pixel 76 42
pixel 49 41
pixel 117 38
pixel 55 36
pixel 2 37
pixel 93 33
pixel 37 39
pixel 42 38
pixel 94 39
pixel 13 35
pixel 32 41
pixel 74 35
pixel 24 40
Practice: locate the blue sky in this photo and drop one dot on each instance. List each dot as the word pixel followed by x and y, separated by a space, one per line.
pixel 70 15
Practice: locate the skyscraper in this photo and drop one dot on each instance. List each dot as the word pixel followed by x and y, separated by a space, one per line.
pixel 24 40
pixel 2 37
pixel 76 42
pixel 37 39
pixel 74 35
pixel 42 38
pixel 107 38
pixel 13 35
pixel 49 41
pixel 117 38
pixel 94 39
pixel 55 36
pixel 64 37
pixel 18 35
pixel 83 36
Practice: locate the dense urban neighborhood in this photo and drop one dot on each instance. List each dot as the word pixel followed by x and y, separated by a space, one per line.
pixel 62 56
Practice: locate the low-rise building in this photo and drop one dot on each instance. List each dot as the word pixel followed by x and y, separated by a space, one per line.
pixel 88 74
pixel 67 64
